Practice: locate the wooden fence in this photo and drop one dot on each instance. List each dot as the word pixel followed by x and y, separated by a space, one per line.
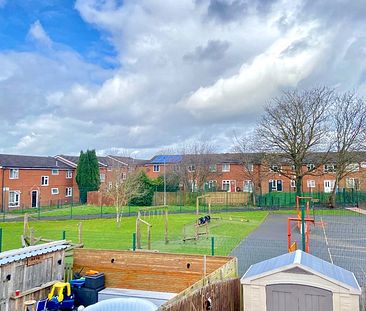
pixel 217 198
pixel 224 295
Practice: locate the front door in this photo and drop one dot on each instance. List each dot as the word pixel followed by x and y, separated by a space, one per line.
pixel 232 186
pixel 294 297
pixel 34 198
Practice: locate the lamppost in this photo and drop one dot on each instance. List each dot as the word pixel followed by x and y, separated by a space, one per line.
pixel 164 182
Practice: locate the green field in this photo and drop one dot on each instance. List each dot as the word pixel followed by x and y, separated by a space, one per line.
pixel 227 229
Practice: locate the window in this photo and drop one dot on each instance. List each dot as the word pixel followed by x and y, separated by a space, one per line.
pixel 124 176
pixel 275 185
pixel 68 191
pixel 44 180
pixel 54 191
pixel 176 168
pixel 250 167
pixel 102 177
pixel 311 183
pixel 14 173
pixel 55 172
pixel 275 168
pixel 191 168
pixel 226 167
pixel 310 166
pixel 353 167
pixel 14 198
pixel 329 168
pixel 363 164
pixel 352 183
pixel 193 185
pixel 248 186
pixel 213 168
pixel 68 174
pixel 110 185
pixel 293 183
pixel 212 184
pixel 156 168
pixel 226 185
pixel 329 185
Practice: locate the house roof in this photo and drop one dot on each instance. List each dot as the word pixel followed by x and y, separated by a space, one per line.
pixel 73 160
pixel 30 251
pixel 305 261
pixel 168 159
pixel 22 161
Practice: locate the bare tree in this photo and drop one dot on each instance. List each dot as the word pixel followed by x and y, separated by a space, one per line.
pixel 251 160
pixel 120 189
pixel 195 166
pixel 293 126
pixel 349 128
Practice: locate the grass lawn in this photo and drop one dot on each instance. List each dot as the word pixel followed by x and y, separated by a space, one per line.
pixel 228 229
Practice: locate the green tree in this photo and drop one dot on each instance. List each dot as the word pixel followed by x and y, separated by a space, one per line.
pixel 87 174
pixel 143 189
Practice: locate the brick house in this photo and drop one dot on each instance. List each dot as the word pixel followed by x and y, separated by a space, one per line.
pixel 233 172
pixel 33 181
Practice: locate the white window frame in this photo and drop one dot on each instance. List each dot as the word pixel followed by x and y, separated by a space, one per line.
pixel 310 183
pixel 68 174
pixel 213 168
pixel 102 177
pixel 250 167
pixel 351 182
pixel 226 182
pixel 16 194
pixel 124 176
pixel 225 167
pixel 274 185
pixel 191 168
pixel 212 184
pixel 293 183
pixel 55 171
pixel 68 192
pixel 329 168
pixel 353 167
pixel 248 186
pixel 363 164
pixel 14 173
pixel 45 180
pixel 331 185
pixel 54 191
pixel 310 166
pixel 156 168
pixel 275 168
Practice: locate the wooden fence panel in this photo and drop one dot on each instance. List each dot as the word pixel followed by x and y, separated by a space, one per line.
pixel 217 198
pixel 221 296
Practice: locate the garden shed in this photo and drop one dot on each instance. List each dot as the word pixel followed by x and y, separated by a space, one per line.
pixel 299 281
pixel 29 272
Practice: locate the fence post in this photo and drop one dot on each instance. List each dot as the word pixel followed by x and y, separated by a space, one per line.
pixel 63 235
pixel 134 241
pixel 303 227
pixel 101 210
pixel 71 212
pixel 129 210
pixel 1 240
pixel 212 246
pixel 39 212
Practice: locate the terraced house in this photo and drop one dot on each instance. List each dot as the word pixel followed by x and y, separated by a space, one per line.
pixel 32 181
pixel 234 172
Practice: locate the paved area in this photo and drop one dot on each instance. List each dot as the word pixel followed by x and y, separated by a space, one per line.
pixel 337 239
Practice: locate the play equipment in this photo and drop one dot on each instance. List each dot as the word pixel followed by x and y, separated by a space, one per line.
pixel 28 237
pixel 60 297
pixel 140 221
pixel 303 221
pixel 201 225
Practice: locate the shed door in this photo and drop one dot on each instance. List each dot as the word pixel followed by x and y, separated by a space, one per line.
pixel 292 297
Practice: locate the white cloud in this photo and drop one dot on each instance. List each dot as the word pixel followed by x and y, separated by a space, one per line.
pixel 247 91
pixel 37 32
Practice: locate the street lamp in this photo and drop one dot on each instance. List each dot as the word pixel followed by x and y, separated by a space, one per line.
pixel 164 182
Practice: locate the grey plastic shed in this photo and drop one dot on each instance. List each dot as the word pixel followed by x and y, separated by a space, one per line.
pixel 299 281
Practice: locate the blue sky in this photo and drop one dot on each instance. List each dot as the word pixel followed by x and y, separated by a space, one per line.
pixel 141 76
pixel 61 21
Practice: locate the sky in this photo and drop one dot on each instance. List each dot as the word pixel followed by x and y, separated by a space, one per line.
pixel 138 77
